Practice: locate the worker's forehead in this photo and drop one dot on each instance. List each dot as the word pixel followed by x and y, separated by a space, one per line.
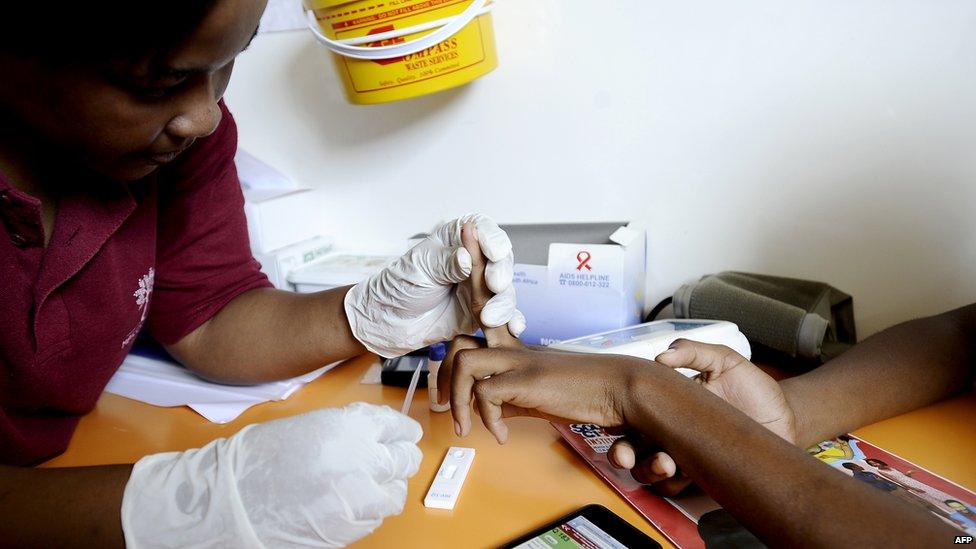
pixel 222 34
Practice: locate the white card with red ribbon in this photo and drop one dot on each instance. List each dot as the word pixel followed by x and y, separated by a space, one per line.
pixel 586 267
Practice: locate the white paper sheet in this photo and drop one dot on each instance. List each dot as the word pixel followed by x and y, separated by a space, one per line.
pixel 255 173
pixel 163 383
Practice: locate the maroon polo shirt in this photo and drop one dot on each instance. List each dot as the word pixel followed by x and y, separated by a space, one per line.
pixel 166 252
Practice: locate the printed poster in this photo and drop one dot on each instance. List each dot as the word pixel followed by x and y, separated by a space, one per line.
pixel 677 518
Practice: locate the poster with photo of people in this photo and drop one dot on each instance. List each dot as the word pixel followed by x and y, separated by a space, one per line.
pixel 677 517
pixel 867 463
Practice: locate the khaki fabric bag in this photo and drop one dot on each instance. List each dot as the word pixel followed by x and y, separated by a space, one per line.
pixel 802 318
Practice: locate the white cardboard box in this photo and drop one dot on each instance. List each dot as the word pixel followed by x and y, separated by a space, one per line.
pixel 280 217
pixel 277 264
pixel 578 279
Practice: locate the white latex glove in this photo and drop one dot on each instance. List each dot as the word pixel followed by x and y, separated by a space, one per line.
pixel 322 479
pixel 416 301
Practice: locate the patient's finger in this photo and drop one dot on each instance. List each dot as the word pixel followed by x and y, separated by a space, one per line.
pixel 647 464
pixel 672 486
pixel 490 410
pixel 470 367
pixel 622 454
pixel 498 336
pixel 654 468
pixel 493 398
pixel 457 345
pixel 711 360
pixel 480 294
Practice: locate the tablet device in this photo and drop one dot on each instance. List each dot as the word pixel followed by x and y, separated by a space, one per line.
pixel 590 527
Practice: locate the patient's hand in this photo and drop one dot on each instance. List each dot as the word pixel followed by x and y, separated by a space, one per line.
pixel 477 293
pixel 726 374
pixel 530 374
pixel 504 378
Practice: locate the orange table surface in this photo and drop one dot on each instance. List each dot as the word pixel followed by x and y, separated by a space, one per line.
pixel 511 489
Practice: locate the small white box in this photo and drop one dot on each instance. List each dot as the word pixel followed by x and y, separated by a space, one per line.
pixel 277 264
pixel 280 217
pixel 336 271
pixel 577 279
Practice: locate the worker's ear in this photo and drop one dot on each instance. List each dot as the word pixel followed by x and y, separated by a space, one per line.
pixel 498 336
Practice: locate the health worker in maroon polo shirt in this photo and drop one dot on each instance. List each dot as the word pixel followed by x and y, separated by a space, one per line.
pixel 121 212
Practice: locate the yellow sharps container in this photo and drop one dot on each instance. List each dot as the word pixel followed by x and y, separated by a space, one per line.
pixel 387 50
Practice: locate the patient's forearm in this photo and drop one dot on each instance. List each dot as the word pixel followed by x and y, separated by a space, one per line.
pixel 895 371
pixel 772 487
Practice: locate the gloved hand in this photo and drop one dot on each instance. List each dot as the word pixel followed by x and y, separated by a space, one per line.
pixel 322 479
pixel 417 301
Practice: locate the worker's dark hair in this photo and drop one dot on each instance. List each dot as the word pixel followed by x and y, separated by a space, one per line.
pixel 80 32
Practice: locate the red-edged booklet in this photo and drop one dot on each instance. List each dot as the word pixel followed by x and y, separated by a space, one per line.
pixel 677 518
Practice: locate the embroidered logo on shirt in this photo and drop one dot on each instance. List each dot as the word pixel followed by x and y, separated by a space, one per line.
pixel 142 295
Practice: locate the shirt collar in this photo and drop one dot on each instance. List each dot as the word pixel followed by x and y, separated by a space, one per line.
pixel 20 214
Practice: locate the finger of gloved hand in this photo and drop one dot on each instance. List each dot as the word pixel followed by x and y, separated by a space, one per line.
pixel 495 243
pixel 516 325
pixel 386 424
pixel 402 459
pixel 446 265
pixel 499 274
pixel 397 490
pixel 500 309
pixel 459 265
pixel 366 499
pixel 702 357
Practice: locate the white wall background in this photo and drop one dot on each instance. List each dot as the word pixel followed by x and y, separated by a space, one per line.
pixel 826 140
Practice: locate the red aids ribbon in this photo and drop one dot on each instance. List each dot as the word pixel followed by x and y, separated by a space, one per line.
pixel 584 259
